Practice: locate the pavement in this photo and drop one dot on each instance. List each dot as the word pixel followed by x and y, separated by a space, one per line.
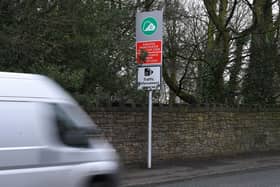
pixel 166 172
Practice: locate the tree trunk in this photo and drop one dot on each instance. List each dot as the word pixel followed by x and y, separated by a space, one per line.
pixel 258 85
pixel 235 70
pixel 216 53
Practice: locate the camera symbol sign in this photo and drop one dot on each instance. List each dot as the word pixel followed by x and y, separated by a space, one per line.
pixel 149 77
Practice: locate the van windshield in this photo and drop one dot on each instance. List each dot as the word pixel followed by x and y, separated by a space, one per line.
pixel 75 128
pixel 75 116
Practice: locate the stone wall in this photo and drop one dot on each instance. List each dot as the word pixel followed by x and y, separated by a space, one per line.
pixel 186 133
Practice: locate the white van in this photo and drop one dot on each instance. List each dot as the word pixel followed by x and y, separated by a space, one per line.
pixel 47 140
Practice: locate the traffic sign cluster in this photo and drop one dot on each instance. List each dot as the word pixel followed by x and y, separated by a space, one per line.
pixel 149 49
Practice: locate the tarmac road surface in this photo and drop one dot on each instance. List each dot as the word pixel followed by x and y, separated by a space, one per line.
pixel 269 177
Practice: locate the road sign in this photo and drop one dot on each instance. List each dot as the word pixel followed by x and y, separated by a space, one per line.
pixel 149 26
pixel 149 77
pixel 149 53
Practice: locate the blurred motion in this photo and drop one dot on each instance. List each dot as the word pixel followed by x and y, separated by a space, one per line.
pixel 47 140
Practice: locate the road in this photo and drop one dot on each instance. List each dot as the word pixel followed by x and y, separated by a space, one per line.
pixel 259 178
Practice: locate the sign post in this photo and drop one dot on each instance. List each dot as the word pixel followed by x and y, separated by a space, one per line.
pixel 149 60
pixel 150 130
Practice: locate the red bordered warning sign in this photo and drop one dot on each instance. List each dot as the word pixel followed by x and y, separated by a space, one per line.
pixel 149 53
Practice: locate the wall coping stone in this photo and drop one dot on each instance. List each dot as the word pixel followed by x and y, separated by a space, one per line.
pixel 189 108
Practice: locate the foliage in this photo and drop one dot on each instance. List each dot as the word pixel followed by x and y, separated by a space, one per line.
pixel 235 57
pixel 220 51
pixel 87 46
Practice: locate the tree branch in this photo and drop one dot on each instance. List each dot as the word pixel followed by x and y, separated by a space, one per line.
pixel 254 24
pixel 174 87
pixel 231 13
pixel 185 71
pixel 212 14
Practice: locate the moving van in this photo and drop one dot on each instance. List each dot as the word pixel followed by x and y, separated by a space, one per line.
pixel 47 140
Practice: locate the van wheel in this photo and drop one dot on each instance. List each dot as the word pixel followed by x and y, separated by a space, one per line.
pixel 100 184
pixel 103 181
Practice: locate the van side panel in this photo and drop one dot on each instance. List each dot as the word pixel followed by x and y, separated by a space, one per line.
pixel 22 142
pixel 56 176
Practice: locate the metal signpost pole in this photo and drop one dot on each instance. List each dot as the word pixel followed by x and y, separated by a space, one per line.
pixel 150 130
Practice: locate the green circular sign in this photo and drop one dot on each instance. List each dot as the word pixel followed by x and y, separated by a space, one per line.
pixel 149 26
